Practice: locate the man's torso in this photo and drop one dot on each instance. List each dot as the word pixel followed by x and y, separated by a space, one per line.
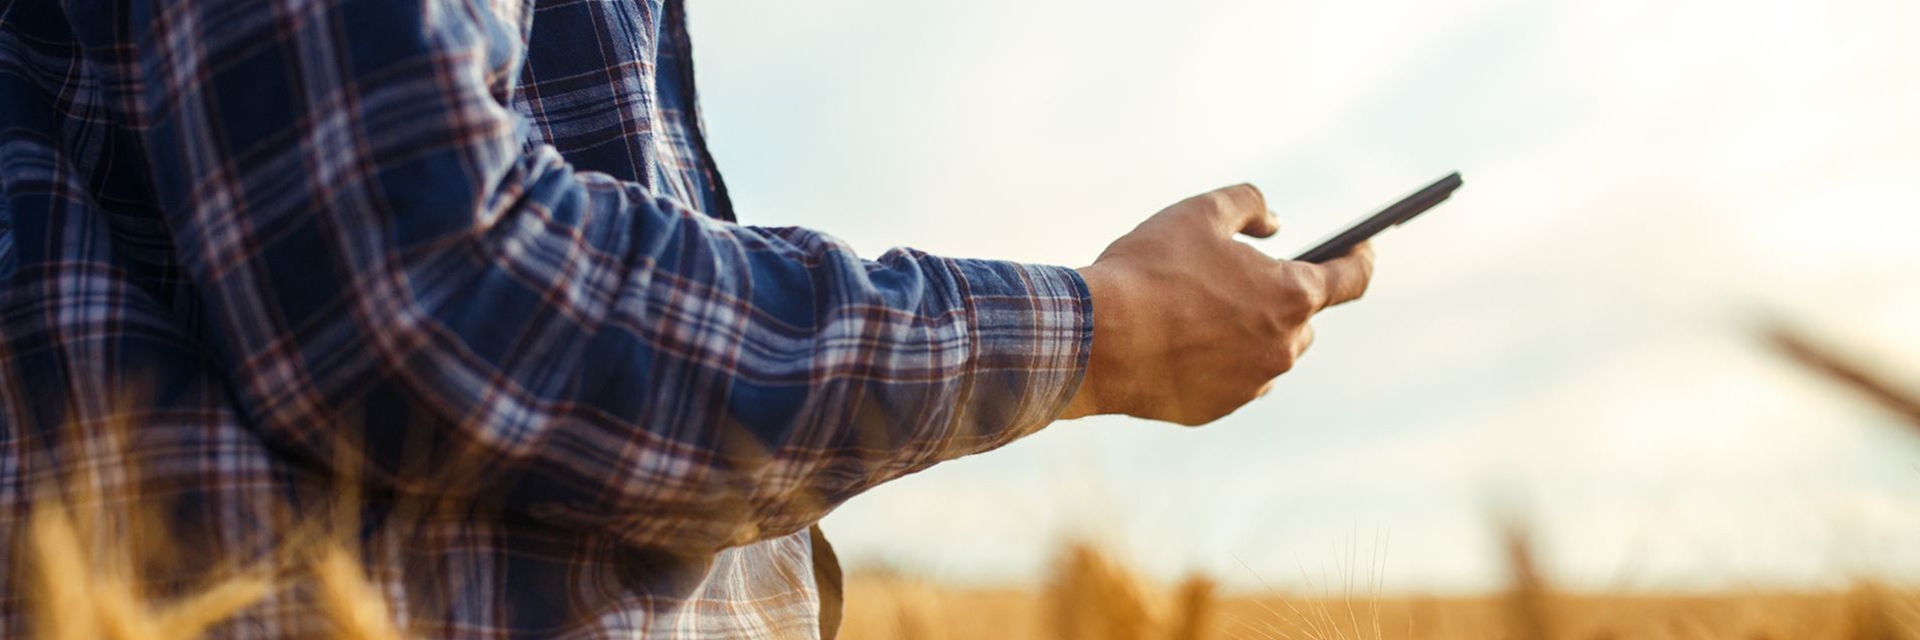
pixel 106 386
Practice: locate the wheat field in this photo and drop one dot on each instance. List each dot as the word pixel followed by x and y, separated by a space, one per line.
pixel 1089 596
pixel 80 589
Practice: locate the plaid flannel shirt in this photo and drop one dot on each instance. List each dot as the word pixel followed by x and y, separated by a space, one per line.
pixel 471 255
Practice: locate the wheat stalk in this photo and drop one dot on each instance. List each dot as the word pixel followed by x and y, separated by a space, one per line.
pixel 1828 361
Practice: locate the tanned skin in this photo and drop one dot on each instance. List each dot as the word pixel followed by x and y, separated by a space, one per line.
pixel 1189 324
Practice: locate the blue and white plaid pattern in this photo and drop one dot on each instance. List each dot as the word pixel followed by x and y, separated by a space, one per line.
pixel 470 254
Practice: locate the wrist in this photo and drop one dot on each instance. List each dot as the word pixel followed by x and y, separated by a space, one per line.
pixel 1094 396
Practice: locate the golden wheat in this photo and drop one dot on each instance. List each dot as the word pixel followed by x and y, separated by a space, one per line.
pixel 81 583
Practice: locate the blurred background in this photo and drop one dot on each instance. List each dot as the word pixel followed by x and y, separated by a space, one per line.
pixel 1573 335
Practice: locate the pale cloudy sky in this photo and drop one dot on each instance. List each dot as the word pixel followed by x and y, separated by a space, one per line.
pixel 1570 333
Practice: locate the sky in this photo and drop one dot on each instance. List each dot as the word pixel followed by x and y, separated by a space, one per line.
pixel 1571 337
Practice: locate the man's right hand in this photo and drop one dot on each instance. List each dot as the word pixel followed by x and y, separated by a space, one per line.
pixel 1189 324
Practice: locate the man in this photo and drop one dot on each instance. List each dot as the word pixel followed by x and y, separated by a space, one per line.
pixel 475 256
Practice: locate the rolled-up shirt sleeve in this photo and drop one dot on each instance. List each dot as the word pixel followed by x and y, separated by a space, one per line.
pixel 384 262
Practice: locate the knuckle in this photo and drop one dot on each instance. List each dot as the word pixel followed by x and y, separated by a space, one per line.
pixel 1278 272
pixel 1303 310
pixel 1219 202
pixel 1236 199
pixel 1285 361
pixel 1299 279
pixel 1296 308
pixel 1313 295
pixel 1279 359
pixel 1248 195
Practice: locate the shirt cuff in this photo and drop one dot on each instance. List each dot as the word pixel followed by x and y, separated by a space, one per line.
pixel 1032 332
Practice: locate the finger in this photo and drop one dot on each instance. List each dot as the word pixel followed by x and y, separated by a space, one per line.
pixel 1303 341
pixel 1269 224
pixel 1242 209
pixel 1345 278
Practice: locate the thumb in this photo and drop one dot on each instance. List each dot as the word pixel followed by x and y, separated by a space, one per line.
pixel 1346 277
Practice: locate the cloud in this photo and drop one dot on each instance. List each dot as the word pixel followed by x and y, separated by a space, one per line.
pixel 1642 177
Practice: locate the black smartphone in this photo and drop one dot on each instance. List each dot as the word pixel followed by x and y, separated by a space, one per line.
pixel 1401 211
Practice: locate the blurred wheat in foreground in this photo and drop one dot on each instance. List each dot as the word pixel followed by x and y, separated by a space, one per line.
pixel 77 592
pixel 81 583
pixel 1090 596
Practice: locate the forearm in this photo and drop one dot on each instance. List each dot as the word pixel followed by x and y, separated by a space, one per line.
pixel 803 375
pixel 600 358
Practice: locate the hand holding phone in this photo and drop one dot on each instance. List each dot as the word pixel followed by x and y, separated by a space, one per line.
pixel 1190 324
